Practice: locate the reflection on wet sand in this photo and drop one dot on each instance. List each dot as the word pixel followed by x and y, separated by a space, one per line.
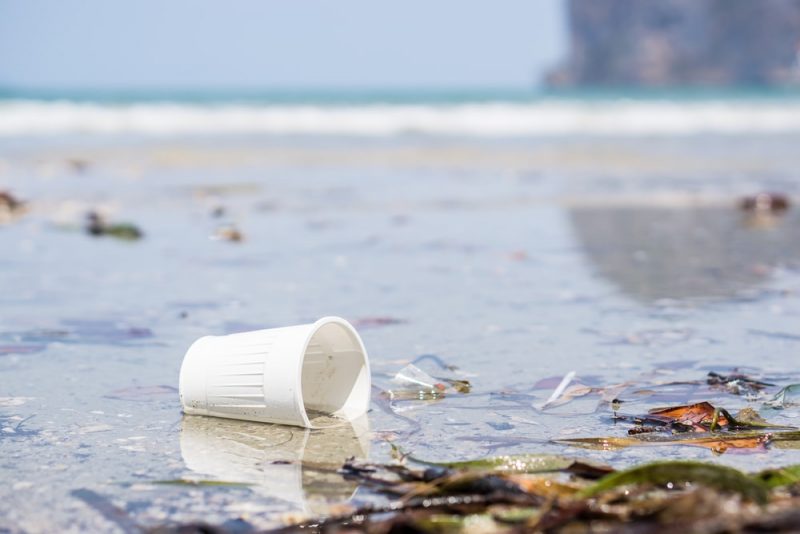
pixel 672 252
pixel 291 464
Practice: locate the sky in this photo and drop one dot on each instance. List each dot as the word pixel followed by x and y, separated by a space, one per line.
pixel 274 44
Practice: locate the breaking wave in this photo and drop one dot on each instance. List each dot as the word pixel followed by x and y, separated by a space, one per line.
pixel 500 119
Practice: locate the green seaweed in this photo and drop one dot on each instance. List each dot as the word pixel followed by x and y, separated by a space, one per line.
pixel 124 231
pixel 681 472
pixel 523 463
pixel 519 464
pixel 776 478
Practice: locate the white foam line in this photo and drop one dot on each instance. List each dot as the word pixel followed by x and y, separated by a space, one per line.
pixel 542 118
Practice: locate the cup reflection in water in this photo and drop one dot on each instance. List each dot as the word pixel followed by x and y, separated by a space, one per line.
pixel 291 464
pixel 308 375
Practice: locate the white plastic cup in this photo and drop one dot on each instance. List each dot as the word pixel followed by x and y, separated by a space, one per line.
pixel 279 375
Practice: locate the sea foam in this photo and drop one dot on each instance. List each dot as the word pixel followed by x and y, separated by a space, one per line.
pixel 500 119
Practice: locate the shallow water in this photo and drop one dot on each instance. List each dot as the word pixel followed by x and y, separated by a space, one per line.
pixel 517 262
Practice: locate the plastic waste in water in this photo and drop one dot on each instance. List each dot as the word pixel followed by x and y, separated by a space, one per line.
pixel 296 375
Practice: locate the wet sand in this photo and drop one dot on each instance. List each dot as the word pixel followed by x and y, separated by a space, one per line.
pixel 517 261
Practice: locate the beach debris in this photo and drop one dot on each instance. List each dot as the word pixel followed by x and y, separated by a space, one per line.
pixel 412 383
pixel 785 398
pixel 699 417
pixel 736 383
pixel 699 425
pixel 765 202
pixel 229 233
pixel 423 379
pixel 560 388
pixel 10 207
pixel 570 389
pixel 460 497
pixel 96 225
pixel 308 362
pixel 704 417
pixel 718 444
pixel 764 210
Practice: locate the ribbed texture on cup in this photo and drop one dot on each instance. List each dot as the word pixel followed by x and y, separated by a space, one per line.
pixel 235 383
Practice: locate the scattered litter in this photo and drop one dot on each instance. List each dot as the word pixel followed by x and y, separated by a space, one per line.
pixel 704 417
pixel 560 388
pixel 415 384
pixel 325 360
pixel 228 232
pixel 10 207
pixel 765 202
pixel 787 397
pixel 699 425
pixel 736 384
pixel 97 226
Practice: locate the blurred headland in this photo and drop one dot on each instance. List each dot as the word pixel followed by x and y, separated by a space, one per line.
pixel 670 43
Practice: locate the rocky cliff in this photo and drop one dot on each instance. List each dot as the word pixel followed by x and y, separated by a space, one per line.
pixel 658 43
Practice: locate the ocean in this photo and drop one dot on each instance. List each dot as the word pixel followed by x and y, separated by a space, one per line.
pixel 465 113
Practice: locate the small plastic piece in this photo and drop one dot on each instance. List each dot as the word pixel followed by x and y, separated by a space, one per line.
pixel 291 375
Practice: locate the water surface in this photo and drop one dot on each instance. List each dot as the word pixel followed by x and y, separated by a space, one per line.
pixel 518 261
